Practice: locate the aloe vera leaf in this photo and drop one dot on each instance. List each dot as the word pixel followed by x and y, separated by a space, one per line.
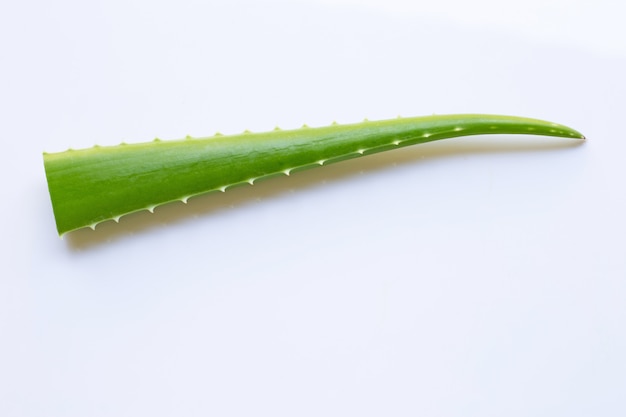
pixel 93 185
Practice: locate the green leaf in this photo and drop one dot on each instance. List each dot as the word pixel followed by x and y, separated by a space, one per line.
pixel 92 185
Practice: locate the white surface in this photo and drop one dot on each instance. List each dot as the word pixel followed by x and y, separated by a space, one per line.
pixel 471 277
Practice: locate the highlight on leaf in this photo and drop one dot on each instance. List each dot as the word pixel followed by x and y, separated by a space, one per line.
pixel 89 186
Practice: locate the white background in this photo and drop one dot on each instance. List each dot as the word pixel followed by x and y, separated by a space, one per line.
pixel 480 276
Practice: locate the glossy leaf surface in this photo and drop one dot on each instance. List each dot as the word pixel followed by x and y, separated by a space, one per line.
pixel 101 183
